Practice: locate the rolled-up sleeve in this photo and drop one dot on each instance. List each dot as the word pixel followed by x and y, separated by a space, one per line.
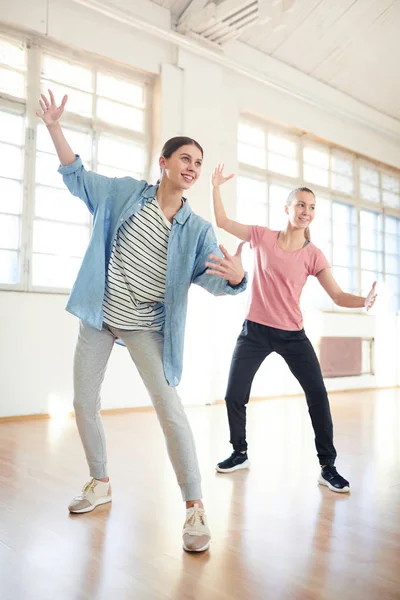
pixel 90 187
pixel 212 283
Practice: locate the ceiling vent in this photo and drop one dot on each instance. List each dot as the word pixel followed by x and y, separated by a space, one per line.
pixel 223 21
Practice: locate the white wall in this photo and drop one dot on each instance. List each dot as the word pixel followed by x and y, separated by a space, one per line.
pixel 201 98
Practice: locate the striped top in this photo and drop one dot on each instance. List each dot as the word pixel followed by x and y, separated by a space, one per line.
pixel 135 285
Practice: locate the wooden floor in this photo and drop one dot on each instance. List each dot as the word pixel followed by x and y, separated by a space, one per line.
pixel 276 533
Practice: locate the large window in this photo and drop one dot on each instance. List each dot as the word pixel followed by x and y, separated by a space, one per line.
pixel 44 230
pixel 371 248
pixel 357 210
pixel 12 141
pixel 344 246
pixel 392 259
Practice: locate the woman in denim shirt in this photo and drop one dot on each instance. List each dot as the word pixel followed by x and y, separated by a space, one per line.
pixel 147 247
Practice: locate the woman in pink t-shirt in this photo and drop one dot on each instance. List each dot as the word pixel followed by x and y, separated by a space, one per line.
pixel 282 262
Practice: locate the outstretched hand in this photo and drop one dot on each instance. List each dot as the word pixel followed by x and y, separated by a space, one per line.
pixel 370 299
pixel 51 113
pixel 218 177
pixel 229 267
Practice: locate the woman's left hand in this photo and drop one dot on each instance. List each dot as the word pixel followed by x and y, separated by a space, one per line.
pixel 370 299
pixel 229 267
pixel 218 178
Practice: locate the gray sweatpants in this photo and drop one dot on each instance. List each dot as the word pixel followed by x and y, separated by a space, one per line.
pixel 146 349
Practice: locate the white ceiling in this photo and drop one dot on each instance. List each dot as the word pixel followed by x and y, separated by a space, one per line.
pixel 352 45
pixel 175 6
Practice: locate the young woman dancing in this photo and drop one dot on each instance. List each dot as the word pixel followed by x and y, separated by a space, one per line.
pixel 282 262
pixel 147 247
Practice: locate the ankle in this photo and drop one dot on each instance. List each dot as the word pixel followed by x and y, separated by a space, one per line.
pixel 191 503
pixel 104 480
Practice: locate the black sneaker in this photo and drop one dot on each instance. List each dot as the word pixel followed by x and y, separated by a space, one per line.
pixel 331 478
pixel 236 461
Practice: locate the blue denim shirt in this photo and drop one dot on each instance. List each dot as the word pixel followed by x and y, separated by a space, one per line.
pixel 112 201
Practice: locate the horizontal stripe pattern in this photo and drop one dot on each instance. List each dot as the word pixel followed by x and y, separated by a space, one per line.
pixel 135 287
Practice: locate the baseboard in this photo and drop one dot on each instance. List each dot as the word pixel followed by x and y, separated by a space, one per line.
pixel 12 418
pixel 106 411
pixel 121 411
pixel 330 393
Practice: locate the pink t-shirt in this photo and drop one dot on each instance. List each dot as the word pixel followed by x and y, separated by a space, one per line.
pixel 279 277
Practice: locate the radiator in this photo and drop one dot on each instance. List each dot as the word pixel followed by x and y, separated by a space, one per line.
pixel 345 356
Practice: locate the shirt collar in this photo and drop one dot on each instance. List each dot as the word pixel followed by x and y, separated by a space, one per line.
pixel 183 213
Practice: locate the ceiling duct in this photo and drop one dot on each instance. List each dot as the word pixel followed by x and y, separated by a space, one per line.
pixel 224 21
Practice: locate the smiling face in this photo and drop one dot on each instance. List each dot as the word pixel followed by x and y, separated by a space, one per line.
pixel 183 167
pixel 301 210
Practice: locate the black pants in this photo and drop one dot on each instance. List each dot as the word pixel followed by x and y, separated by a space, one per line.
pixel 254 344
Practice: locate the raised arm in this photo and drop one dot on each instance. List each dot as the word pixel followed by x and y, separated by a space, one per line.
pixel 90 187
pixel 340 297
pixel 237 229
pixel 50 115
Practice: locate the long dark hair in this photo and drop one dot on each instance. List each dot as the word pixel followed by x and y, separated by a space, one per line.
pixel 173 144
pixel 289 201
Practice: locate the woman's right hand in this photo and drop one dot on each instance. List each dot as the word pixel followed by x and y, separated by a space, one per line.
pixel 370 299
pixel 218 177
pixel 51 112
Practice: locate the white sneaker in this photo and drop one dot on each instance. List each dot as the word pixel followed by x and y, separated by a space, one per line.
pixel 196 533
pixel 94 493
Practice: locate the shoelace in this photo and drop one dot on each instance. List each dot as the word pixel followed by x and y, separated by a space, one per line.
pixel 89 486
pixel 196 515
